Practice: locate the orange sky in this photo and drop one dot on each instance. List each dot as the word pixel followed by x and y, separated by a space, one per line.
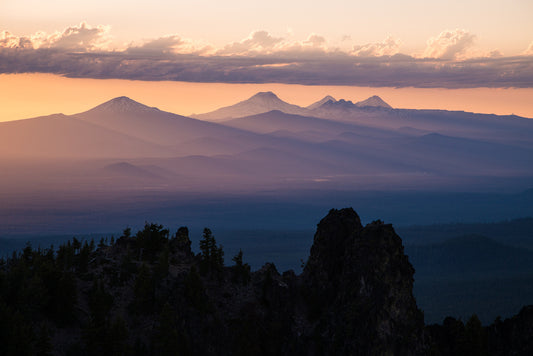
pixel 29 95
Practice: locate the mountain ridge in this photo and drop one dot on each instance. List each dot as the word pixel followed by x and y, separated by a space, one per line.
pixel 267 101
pixel 321 102
pixel 256 104
pixel 354 147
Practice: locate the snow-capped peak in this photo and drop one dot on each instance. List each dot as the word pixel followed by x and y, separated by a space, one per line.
pixel 122 104
pixel 374 101
pixel 265 98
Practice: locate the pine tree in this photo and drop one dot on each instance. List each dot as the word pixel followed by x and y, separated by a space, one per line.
pixel 212 256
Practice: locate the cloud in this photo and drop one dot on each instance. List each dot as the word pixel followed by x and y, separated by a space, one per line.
pixel 78 38
pixel 258 41
pixel 262 43
pixel 81 37
pixel 529 50
pixel 81 51
pixel 346 38
pixel 314 45
pixel 170 44
pixel 7 40
pixel 449 45
pixel 388 47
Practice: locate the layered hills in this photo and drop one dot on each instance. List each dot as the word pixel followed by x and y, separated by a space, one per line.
pixel 266 143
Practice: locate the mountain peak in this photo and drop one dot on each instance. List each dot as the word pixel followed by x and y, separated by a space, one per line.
pixel 122 104
pixel 374 101
pixel 321 102
pixel 265 94
pixel 257 104
pixel 265 98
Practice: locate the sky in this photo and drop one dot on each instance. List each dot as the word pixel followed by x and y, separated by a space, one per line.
pixel 420 47
pixel 52 94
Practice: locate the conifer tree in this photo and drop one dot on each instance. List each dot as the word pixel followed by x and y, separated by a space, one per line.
pixel 212 256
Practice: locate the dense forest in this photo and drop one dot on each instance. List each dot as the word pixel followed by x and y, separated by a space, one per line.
pixel 149 293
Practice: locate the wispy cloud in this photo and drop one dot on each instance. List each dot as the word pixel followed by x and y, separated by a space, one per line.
pixel 449 60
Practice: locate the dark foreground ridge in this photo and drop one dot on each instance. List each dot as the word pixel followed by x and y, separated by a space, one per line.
pixel 150 294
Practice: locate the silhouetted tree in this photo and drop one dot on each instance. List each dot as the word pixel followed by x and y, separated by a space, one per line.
pixel 144 290
pixel 168 339
pixel 100 302
pixel 151 240
pixel 195 291
pixel 83 257
pixel 212 256
pixel 161 269
pixel 241 271
pixel 476 337
pixel 182 239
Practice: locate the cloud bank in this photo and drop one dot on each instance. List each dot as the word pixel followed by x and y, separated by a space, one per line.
pixel 449 60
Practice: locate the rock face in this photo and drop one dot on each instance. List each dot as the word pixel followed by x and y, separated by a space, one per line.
pixel 354 297
pixel 359 284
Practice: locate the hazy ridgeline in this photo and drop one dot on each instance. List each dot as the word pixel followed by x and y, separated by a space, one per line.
pixel 261 162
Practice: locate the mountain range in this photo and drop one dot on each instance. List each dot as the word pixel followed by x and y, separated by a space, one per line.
pixel 268 101
pixel 266 143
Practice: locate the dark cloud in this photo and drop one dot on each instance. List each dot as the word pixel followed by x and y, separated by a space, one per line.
pixel 262 58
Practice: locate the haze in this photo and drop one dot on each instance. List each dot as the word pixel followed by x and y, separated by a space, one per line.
pixel 123 148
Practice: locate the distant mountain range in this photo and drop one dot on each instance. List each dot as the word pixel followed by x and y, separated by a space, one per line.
pixel 263 102
pixel 264 143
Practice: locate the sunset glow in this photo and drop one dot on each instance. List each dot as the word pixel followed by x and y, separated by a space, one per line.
pixel 53 94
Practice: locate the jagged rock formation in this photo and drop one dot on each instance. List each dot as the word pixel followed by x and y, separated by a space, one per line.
pixel 360 283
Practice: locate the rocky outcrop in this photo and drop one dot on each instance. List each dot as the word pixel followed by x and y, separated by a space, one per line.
pixel 359 288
